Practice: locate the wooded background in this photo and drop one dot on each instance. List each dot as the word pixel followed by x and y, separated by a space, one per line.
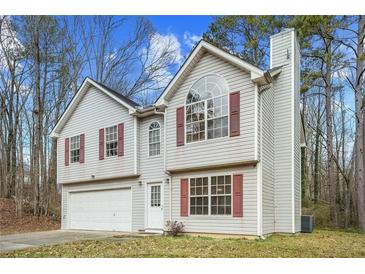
pixel 43 60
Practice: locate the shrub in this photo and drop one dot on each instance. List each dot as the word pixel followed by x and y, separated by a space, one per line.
pixel 321 213
pixel 174 227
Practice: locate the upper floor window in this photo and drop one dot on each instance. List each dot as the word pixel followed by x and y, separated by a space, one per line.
pixel 75 149
pixel 111 141
pixel 154 139
pixel 207 109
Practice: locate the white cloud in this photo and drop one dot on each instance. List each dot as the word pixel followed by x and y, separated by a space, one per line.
pixel 342 73
pixel 191 39
pixel 167 50
pixel 159 44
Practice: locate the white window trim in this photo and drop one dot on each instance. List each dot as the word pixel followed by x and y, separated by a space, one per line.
pixel 205 112
pixel 209 215
pixel 148 139
pixel 113 156
pixel 70 156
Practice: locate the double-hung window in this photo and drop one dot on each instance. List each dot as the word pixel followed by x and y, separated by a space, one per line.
pixel 75 149
pixel 207 109
pixel 154 139
pixel 220 195
pixel 199 196
pixel 111 141
pixel 211 195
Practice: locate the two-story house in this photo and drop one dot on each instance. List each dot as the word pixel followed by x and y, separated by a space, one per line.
pixel 219 150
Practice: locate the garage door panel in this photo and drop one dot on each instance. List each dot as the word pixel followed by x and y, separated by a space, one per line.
pixel 101 210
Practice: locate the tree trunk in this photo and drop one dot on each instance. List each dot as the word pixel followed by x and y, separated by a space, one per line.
pixel 37 120
pixel 329 129
pixel 316 154
pixel 359 173
pixel 20 177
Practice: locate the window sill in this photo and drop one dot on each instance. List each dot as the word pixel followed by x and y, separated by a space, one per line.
pixel 210 141
pixel 223 217
pixel 154 156
pixel 111 157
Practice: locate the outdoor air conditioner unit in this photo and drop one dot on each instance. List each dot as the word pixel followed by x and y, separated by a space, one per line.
pixel 307 223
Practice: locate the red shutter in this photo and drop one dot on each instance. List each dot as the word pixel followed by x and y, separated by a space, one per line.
pixel 67 151
pixel 238 195
pixel 234 114
pixel 184 197
pixel 180 126
pixel 82 148
pixel 121 139
pixel 101 144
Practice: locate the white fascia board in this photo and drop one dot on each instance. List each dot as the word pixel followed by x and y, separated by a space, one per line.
pixel 162 100
pixel 255 72
pixel 130 108
pixel 256 77
pixel 78 95
pixel 233 59
pixel 77 98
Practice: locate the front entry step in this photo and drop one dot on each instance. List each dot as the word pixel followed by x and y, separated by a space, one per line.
pixel 151 231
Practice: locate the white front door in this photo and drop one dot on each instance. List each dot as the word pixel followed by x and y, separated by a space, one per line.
pixel 155 206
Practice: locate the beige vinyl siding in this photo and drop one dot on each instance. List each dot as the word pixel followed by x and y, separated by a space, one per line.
pixel 221 224
pixel 96 110
pixel 267 159
pixel 153 167
pixel 137 198
pixel 297 151
pixel 220 150
pixel 283 135
pixel 284 127
pixel 63 208
pixel 138 144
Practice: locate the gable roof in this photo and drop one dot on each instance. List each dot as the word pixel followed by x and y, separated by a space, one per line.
pixel 203 46
pixel 120 96
pixel 86 84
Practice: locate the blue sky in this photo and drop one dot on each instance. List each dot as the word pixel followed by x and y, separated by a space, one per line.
pixel 183 27
pixel 188 28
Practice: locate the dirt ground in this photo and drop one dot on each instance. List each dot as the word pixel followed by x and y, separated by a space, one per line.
pixel 10 224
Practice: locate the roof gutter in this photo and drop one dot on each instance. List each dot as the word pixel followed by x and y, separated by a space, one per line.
pixel 148 111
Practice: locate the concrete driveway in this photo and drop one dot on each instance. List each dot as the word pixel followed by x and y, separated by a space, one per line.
pixel 35 239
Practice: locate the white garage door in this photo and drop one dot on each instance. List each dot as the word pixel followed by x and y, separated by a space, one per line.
pixel 101 210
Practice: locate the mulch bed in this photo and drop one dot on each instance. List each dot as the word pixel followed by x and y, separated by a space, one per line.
pixel 10 224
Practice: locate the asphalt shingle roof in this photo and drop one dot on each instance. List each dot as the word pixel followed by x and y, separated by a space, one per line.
pixel 119 95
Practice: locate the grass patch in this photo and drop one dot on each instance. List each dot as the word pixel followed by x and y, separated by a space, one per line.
pixel 321 243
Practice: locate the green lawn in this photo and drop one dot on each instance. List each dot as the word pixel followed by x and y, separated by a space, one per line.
pixel 321 243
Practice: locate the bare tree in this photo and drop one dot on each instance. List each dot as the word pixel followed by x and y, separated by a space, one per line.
pixel 354 42
pixel 138 66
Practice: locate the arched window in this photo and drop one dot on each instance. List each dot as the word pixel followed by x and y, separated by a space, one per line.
pixel 207 109
pixel 154 139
